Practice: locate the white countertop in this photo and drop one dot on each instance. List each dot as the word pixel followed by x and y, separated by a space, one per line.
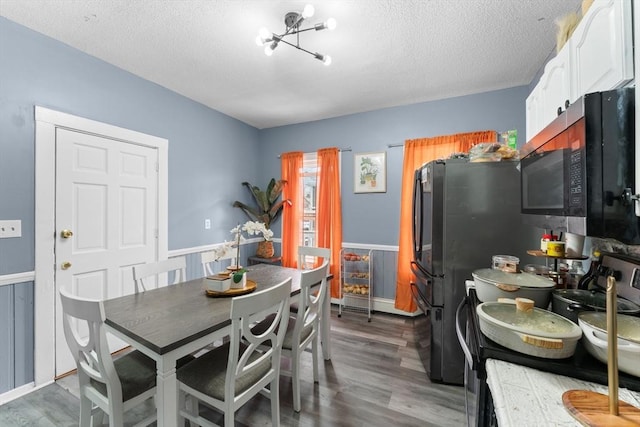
pixel 528 397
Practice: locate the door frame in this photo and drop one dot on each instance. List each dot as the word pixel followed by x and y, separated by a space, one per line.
pixel 46 123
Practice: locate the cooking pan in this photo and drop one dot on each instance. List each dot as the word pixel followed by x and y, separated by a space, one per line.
pixel 493 284
pixel 594 327
pixel 571 302
pixel 539 333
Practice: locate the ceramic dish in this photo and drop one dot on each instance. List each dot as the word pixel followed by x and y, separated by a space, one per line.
pixel 594 326
pixel 540 333
pixel 492 284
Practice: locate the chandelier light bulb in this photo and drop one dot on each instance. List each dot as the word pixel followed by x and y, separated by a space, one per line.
pixel 268 51
pixel 308 11
pixel 264 33
pixel 326 61
pixel 331 24
pixel 259 40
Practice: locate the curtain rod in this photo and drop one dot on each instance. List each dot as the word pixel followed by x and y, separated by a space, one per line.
pixel 395 145
pixel 339 149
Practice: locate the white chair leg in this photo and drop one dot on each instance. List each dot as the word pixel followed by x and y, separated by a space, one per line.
pixel 85 411
pixel 314 351
pixel 116 415
pixel 275 401
pixel 295 379
pixel 229 415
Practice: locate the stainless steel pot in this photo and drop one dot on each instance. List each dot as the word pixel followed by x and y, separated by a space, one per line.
pixel 571 302
pixel 492 284
pixel 540 333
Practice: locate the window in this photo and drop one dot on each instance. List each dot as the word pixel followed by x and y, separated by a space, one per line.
pixel 308 175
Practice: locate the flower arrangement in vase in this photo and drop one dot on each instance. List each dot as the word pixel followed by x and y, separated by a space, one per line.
pixel 251 228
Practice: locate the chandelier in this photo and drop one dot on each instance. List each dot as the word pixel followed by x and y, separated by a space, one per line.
pixel 293 23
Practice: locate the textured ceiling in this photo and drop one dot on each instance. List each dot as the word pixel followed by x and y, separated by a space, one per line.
pixel 385 52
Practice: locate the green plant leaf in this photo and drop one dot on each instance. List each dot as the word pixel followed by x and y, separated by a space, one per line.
pixel 267 208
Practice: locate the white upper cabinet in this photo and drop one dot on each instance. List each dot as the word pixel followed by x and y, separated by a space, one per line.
pixel 597 57
pixel 602 48
pixel 550 93
pixel 533 106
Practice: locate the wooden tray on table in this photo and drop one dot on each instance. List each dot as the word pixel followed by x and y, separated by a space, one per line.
pixel 250 287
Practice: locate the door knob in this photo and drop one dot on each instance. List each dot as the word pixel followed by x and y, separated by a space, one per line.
pixel 65 265
pixel 65 234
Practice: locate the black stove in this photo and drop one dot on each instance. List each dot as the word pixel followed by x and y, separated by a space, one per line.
pixel 581 365
pixel 478 348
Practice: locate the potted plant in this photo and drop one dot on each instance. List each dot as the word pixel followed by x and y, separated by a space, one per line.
pixel 267 210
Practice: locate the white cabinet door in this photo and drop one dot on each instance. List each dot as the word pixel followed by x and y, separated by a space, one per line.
pixel 602 48
pixel 551 93
pixel 533 106
pixel 555 86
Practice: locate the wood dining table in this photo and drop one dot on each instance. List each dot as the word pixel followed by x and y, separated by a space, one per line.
pixel 173 321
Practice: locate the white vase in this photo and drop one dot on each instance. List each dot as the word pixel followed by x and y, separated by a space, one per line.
pixel 241 284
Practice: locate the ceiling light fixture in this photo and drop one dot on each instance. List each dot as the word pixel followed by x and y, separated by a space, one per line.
pixel 293 22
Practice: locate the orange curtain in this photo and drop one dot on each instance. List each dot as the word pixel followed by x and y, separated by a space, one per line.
pixel 416 153
pixel 291 164
pixel 329 211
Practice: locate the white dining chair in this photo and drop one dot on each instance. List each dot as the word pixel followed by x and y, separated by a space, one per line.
pixel 146 276
pixel 216 256
pixel 106 386
pixel 311 257
pixel 229 376
pixel 303 327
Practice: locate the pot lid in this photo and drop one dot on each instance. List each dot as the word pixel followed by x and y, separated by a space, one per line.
pixel 523 280
pixel 540 322
pixel 595 300
pixel 628 326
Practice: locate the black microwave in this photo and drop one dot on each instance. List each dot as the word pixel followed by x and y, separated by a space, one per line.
pixel 578 173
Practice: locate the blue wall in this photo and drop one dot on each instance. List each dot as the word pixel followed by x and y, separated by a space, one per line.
pixel 374 218
pixel 210 155
pixel 204 145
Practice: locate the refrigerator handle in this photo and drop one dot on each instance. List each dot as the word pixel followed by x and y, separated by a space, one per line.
pixel 421 272
pixel 417 214
pixel 461 339
pixel 420 299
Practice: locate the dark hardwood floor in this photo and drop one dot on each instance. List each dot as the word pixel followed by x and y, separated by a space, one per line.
pixel 373 379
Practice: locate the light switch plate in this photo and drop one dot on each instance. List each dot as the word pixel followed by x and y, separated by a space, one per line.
pixel 10 228
pixel 207 224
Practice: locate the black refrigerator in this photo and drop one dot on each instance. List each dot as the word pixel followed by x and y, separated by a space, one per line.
pixel 463 214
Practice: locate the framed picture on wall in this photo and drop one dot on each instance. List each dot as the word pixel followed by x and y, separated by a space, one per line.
pixel 370 172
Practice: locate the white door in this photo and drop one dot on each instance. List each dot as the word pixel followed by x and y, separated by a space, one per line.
pixel 106 217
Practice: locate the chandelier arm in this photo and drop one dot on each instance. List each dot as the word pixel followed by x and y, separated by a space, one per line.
pixel 298 47
pixel 299 31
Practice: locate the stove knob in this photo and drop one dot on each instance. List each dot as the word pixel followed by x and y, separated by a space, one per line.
pixel 617 274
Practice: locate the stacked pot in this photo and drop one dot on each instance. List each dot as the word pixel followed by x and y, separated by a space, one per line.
pixel 539 333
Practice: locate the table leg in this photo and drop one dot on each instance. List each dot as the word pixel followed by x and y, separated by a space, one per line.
pixel 167 394
pixel 325 329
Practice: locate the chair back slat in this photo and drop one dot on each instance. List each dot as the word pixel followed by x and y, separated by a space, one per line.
pixel 310 257
pixel 219 254
pixel 147 276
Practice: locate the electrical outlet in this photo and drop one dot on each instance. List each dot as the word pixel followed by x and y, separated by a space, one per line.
pixel 207 224
pixel 11 228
